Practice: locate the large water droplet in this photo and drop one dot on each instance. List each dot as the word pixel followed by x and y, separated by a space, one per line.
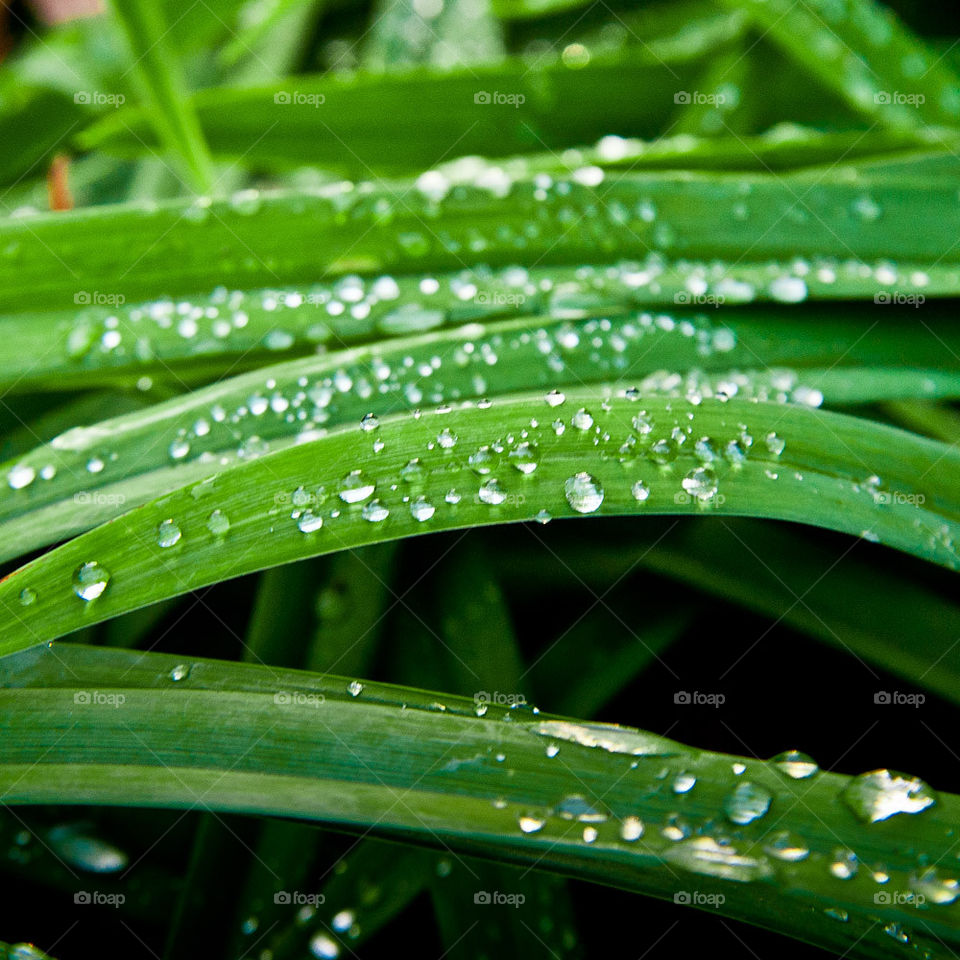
pixel 355 488
pixel 491 492
pixel 90 580
pixel 701 483
pixel 375 511
pixel 880 794
pixel 583 492
pixel 783 847
pixel 22 475
pixel 795 764
pixel 746 803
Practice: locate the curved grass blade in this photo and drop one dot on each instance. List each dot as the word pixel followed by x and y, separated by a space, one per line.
pixel 775 843
pixel 521 457
pixel 91 474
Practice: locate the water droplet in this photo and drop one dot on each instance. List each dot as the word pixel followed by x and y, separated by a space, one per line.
pixel 421 509
pixel 683 782
pixel 934 887
pixel 746 803
pixel 447 438
pixel 631 829
pixel 354 688
pixel 491 492
pixel 844 864
pixel 775 444
pixel 582 419
pixel 530 824
pixel 640 491
pixel 577 807
pixel 218 523
pixel 543 516
pixel 180 672
pixel 324 947
pixel 95 465
pixel 27 596
pixel 788 289
pixel 343 920
pixel 482 461
pixel 701 483
pixel 552 750
pixel 783 847
pixel 881 794
pixel 22 475
pixel 375 511
pixel 90 580
pixel 705 856
pixel 524 457
pixel 583 492
pixel 837 913
pixel 355 488
pixel 370 421
pixel 177 450
pixel 897 932
pixel 309 522
pixel 554 398
pixel 795 764
pixel 168 534
pixel 589 834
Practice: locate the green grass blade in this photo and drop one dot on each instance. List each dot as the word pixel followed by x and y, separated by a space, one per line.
pixel 163 89
pixel 764 459
pixel 295 754
pixel 862 51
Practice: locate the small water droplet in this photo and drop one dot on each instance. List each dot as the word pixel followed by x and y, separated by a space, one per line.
pixel 218 523
pixel 530 824
pixel 631 829
pixel 370 421
pixel 491 492
pixel 375 511
pixel 554 398
pixel 582 419
pixel 683 782
pixel 640 491
pixel 27 596
pixel 168 534
pixel 20 476
pixel 180 672
pixel 844 865
pixel 354 688
pixel 782 846
pixel 309 522
pixel 795 764
pixel 422 510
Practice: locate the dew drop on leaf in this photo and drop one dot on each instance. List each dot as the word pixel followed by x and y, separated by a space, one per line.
pixel 90 580
pixel 168 534
pixel 746 802
pixel 881 794
pixel 583 492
